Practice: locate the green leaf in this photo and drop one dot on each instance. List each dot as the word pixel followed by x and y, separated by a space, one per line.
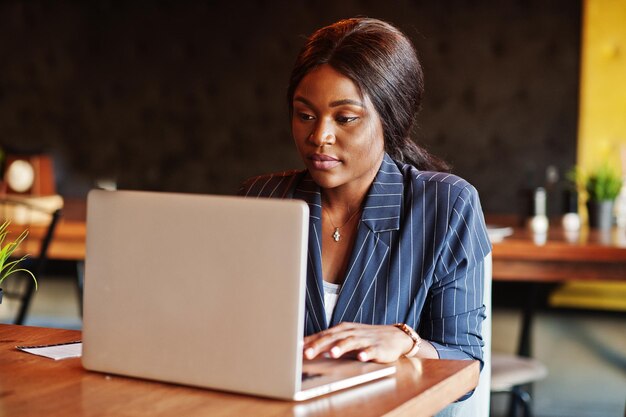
pixel 603 184
pixel 29 273
pixel 11 266
pixel 6 250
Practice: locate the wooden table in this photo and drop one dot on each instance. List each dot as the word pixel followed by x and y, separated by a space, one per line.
pixel 68 243
pixel 36 386
pixel 589 255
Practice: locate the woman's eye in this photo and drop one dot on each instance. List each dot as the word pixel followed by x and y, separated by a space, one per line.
pixel 305 116
pixel 346 119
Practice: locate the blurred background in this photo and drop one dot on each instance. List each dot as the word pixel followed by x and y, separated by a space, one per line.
pixel 190 96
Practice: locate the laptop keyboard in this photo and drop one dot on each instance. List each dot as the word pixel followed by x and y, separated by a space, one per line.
pixel 309 375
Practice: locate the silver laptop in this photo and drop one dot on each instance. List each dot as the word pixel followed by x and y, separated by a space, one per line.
pixel 206 291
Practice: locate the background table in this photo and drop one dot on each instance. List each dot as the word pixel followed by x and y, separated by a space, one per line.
pixel 68 243
pixel 589 255
pixel 36 386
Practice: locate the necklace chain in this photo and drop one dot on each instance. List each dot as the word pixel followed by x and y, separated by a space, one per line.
pixel 336 233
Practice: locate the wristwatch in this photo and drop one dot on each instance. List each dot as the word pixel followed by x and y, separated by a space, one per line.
pixel 417 340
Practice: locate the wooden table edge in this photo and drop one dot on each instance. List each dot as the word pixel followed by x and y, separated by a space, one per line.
pixel 426 403
pixel 423 405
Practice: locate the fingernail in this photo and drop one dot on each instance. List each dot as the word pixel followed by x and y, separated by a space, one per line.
pixel 335 352
pixel 308 353
pixel 363 357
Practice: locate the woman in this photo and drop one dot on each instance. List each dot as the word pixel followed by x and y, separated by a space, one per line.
pixel 396 246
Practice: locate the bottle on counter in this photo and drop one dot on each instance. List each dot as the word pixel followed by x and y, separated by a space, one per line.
pixel 539 222
pixel 571 219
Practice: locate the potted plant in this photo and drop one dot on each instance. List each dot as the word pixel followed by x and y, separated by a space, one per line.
pixel 602 186
pixel 7 266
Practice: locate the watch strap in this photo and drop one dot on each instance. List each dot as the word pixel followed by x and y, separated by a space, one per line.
pixel 417 340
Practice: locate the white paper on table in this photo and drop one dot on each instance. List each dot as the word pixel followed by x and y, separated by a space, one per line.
pixel 56 351
pixel 497 233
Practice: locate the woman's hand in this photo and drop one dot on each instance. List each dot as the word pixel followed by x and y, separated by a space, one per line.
pixel 375 343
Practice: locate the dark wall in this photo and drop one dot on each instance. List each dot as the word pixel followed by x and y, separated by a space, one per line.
pixel 190 96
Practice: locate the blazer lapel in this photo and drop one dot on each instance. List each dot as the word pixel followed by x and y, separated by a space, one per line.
pixel 308 191
pixel 370 257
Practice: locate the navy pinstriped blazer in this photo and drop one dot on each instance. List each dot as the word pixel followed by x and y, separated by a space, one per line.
pixel 417 259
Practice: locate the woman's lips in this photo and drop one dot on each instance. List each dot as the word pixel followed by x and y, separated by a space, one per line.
pixel 323 162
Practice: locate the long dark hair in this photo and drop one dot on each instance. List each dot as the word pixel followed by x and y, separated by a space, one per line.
pixel 382 62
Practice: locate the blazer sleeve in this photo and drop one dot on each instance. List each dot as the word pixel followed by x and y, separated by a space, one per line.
pixel 455 310
pixel 277 185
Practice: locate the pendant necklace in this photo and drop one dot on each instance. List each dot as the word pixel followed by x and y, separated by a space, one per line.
pixel 336 234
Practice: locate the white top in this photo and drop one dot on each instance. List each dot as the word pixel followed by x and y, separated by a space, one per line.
pixel 331 293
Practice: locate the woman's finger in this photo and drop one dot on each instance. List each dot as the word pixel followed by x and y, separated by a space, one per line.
pixel 349 344
pixel 367 354
pixel 322 344
pixel 341 327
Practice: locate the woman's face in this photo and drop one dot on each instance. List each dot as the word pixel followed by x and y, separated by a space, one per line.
pixel 337 130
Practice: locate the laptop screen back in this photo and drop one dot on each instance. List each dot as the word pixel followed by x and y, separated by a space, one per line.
pixel 198 290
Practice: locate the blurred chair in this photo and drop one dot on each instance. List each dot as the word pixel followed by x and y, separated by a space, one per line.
pixel 510 374
pixel 35 264
pixel 514 374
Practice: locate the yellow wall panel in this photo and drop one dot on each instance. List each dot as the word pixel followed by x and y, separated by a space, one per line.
pixel 601 126
pixel 602 118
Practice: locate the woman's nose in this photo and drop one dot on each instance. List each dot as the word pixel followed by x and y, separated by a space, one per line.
pixel 322 135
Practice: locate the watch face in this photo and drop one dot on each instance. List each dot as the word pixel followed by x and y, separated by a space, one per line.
pixel 20 176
